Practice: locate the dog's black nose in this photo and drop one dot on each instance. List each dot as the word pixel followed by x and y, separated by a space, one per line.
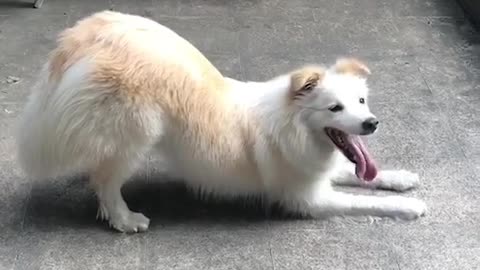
pixel 370 125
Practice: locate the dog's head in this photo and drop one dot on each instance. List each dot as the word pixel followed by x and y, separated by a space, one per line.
pixel 335 100
pixel 335 97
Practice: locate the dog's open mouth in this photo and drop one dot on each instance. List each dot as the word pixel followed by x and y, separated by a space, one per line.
pixel 354 150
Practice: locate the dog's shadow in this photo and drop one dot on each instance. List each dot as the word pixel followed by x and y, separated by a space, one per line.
pixel 15 4
pixel 71 203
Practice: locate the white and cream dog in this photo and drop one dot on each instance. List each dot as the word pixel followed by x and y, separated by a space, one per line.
pixel 119 85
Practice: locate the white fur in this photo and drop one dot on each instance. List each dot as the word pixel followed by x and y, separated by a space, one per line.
pixel 72 126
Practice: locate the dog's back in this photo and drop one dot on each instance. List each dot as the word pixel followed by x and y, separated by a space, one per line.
pixel 109 90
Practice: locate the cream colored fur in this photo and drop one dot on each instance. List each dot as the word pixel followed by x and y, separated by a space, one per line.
pixel 119 85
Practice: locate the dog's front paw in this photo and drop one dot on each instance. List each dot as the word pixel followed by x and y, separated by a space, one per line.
pixel 400 180
pixel 409 208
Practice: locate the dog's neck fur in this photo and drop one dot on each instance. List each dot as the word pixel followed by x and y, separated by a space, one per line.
pixel 267 103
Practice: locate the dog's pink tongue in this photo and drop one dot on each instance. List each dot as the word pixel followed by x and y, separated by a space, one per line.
pixel 366 168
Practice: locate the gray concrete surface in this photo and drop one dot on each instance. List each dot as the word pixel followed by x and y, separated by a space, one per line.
pixel 426 75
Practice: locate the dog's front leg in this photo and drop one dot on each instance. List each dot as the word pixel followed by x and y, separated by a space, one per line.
pixel 397 180
pixel 326 201
pixel 339 203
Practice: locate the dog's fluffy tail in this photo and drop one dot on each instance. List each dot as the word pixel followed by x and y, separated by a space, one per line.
pixel 70 126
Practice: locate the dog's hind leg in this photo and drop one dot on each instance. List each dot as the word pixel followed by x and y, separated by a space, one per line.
pixel 107 180
pixel 135 134
pixel 396 180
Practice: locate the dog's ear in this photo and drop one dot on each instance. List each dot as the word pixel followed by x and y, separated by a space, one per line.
pixel 351 66
pixel 305 80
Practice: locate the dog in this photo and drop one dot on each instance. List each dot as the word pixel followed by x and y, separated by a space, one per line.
pixel 119 85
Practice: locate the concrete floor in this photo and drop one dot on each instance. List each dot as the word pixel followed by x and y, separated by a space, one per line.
pixel 426 89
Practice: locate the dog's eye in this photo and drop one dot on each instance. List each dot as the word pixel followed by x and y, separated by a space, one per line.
pixel 309 87
pixel 362 101
pixel 335 108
